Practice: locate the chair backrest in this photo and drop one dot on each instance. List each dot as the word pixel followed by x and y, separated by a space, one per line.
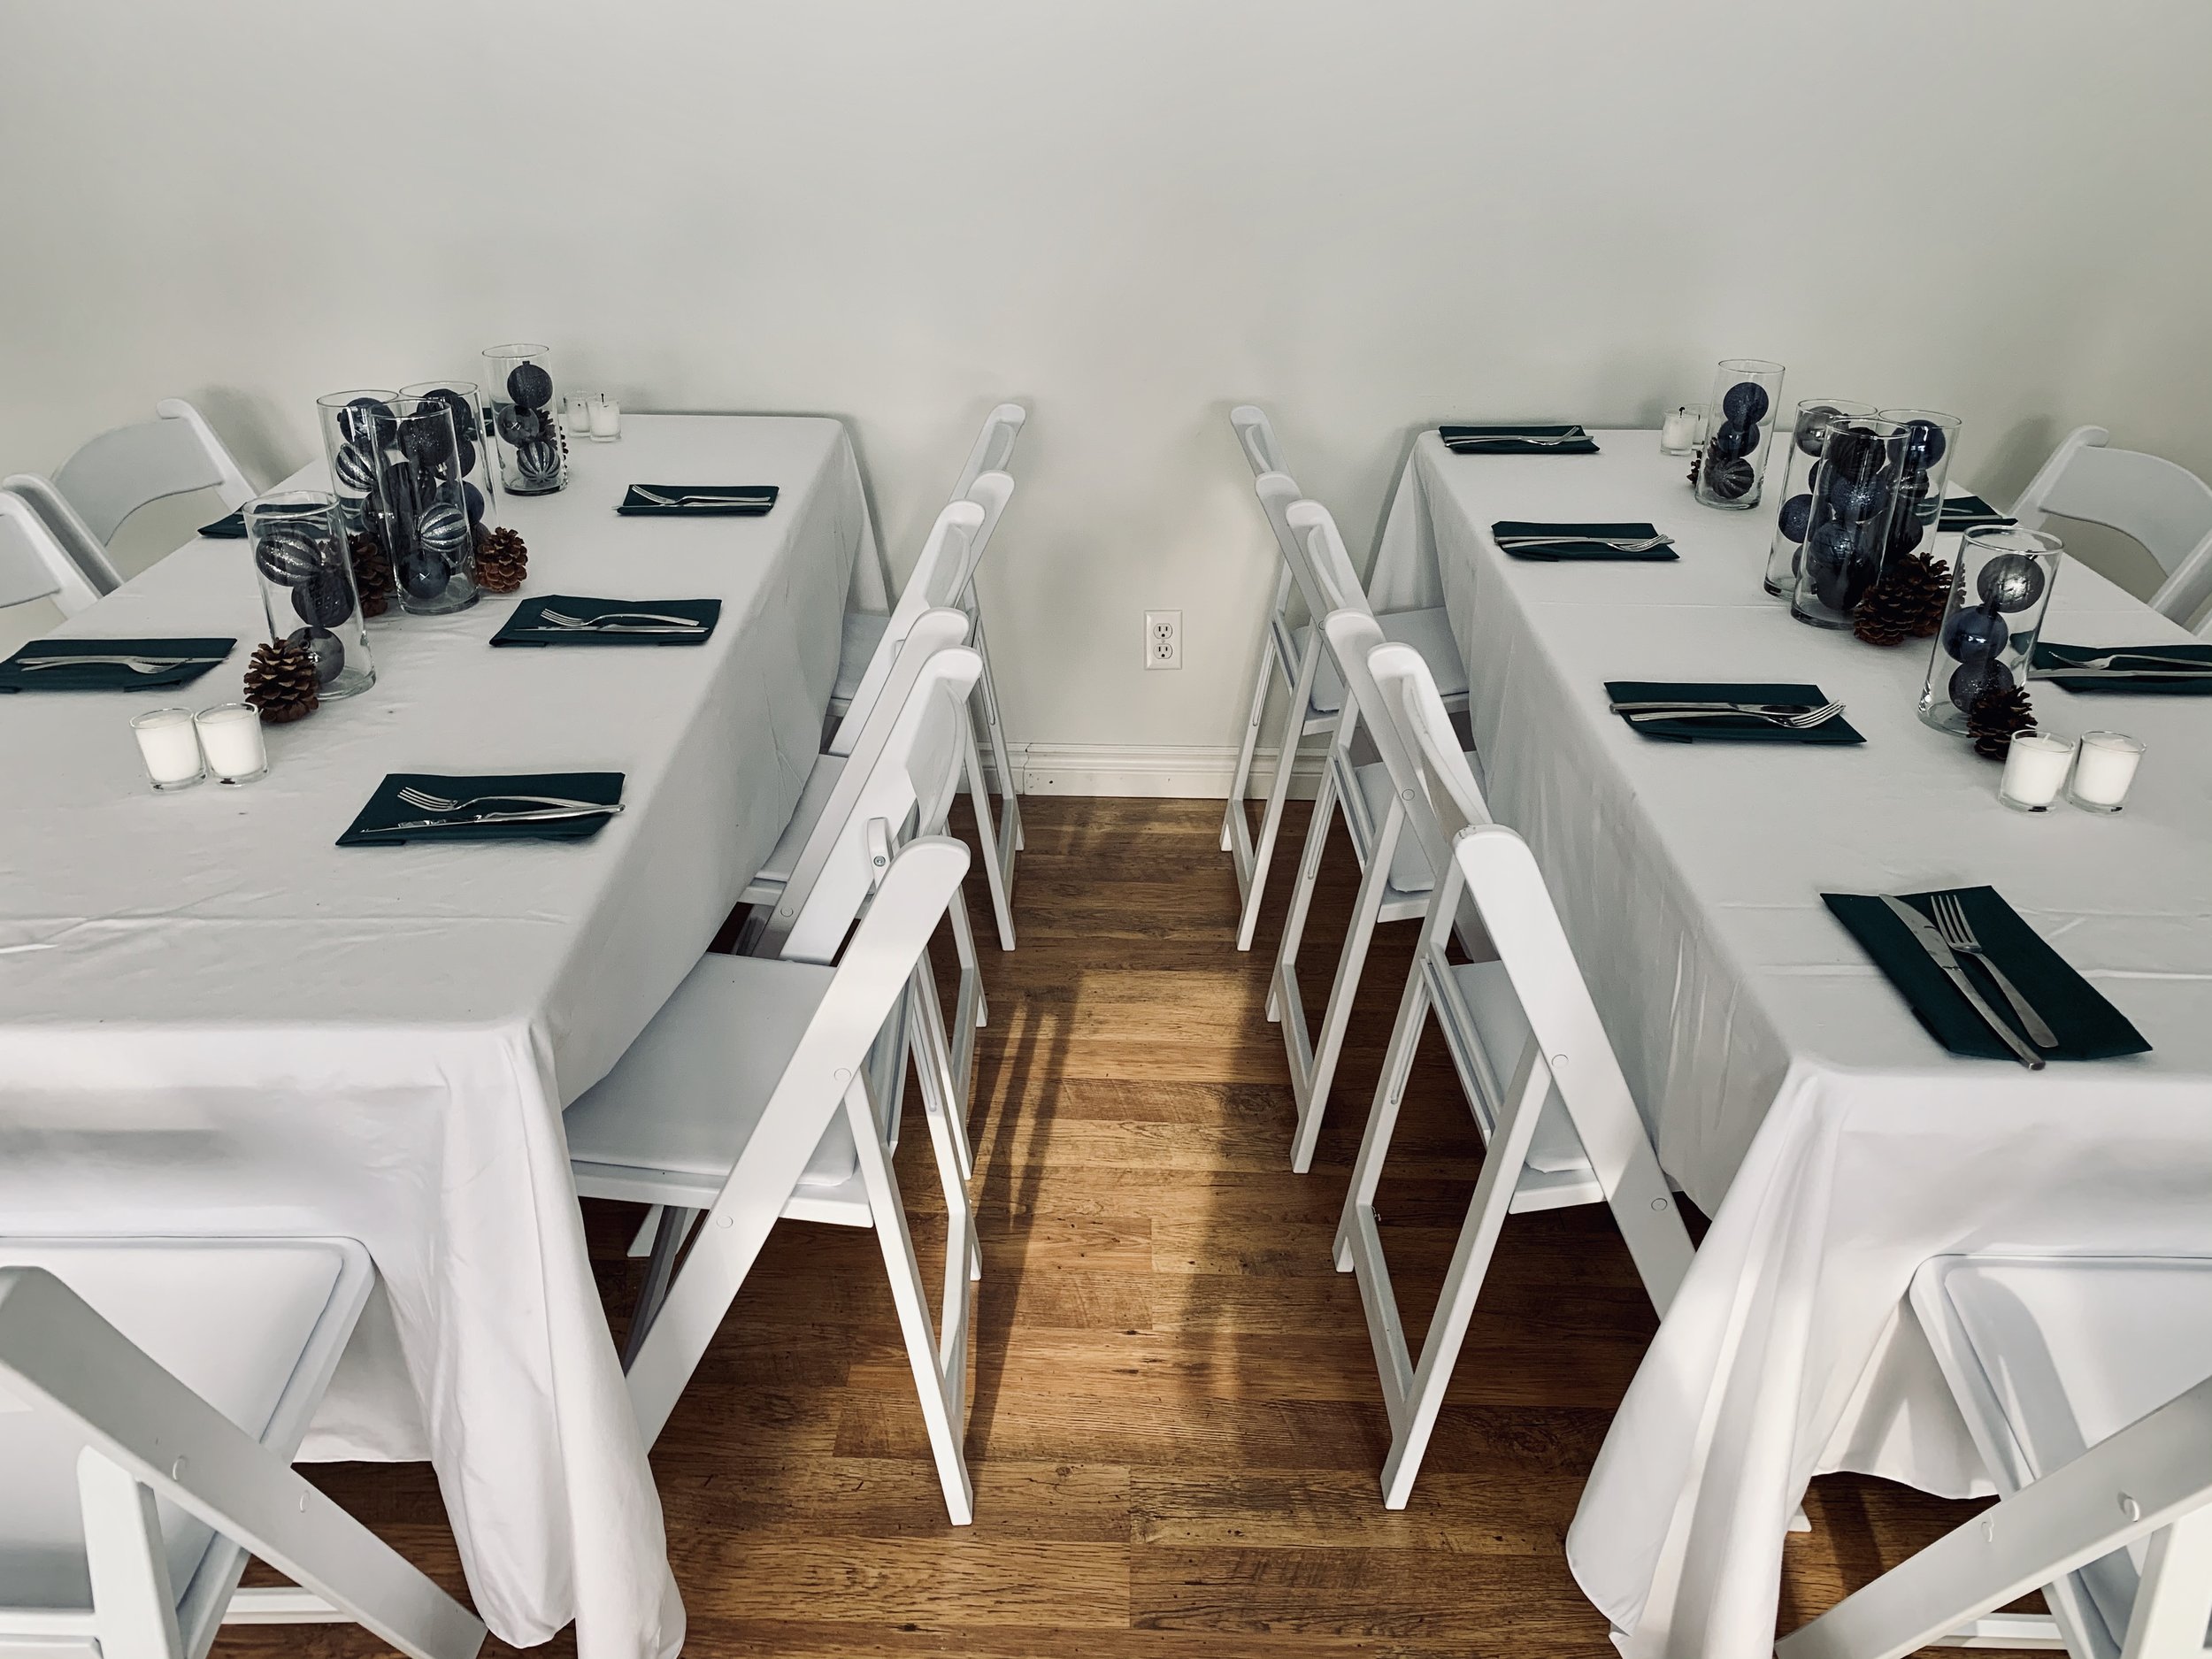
pixel 1328 565
pixel 950 553
pixel 116 473
pixel 35 562
pixel 1256 438
pixel 2165 507
pixel 905 768
pixel 993 447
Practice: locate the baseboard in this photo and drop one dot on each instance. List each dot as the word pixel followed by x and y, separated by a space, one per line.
pixel 1194 771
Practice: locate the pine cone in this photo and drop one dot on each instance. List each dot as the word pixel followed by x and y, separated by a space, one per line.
pixel 502 560
pixel 372 574
pixel 1994 717
pixel 1905 605
pixel 1934 578
pixel 282 682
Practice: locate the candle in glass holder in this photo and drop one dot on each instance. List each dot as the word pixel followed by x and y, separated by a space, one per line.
pixel 576 413
pixel 2035 770
pixel 1679 433
pixel 230 736
pixel 2103 770
pixel 606 419
pixel 170 747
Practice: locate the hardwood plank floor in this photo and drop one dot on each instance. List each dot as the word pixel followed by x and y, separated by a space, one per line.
pixel 1176 1427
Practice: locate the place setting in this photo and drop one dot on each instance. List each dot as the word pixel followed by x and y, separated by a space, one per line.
pixel 558 619
pixel 564 806
pixel 1582 543
pixel 1518 438
pixel 2171 669
pixel 134 664
pixel 1736 711
pixel 698 501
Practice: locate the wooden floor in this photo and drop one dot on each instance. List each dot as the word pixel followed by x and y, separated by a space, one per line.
pixel 1176 1429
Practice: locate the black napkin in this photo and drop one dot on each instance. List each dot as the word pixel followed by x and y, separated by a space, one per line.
pixel 385 808
pixel 1580 550
pixel 1499 438
pixel 109 676
pixel 2050 660
pixel 524 628
pixel 230 527
pixel 745 501
pixel 1723 728
pixel 2087 1027
pixel 1968 512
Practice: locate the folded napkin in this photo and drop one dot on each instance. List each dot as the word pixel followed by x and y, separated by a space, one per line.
pixel 1968 512
pixel 230 527
pixel 110 676
pixel 385 808
pixel 1595 550
pixel 1508 438
pixel 1723 728
pixel 2087 1027
pixel 526 626
pixel 2051 659
pixel 732 501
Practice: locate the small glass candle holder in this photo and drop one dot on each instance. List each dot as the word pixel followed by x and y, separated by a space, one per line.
pixel 230 737
pixel 348 420
pixel 525 419
pixel 606 419
pixel 1681 429
pixel 2000 587
pixel 576 413
pixel 1855 485
pixel 2103 770
pixel 1739 426
pixel 308 591
pixel 170 746
pixel 1815 417
pixel 2035 764
pixel 1934 440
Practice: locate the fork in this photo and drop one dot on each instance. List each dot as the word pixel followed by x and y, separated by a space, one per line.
pixel 700 501
pixel 1514 437
pixel 1958 932
pixel 1802 721
pixel 136 664
pixel 562 619
pixel 428 802
pixel 1619 544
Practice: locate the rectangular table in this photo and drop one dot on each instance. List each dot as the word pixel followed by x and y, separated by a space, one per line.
pixel 212 1019
pixel 1788 1086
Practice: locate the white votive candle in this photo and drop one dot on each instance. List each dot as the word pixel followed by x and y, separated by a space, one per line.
pixel 2104 771
pixel 2035 770
pixel 576 411
pixel 230 737
pixel 169 746
pixel 606 419
pixel 1679 433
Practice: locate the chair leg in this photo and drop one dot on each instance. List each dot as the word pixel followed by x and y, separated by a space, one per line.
pixel 2173 1604
pixel 641 1240
pixel 997 876
pixel 668 1243
pixel 986 688
pixel 133 1603
pixel 1241 779
pixel 1279 793
pixel 1302 890
pixel 941 1096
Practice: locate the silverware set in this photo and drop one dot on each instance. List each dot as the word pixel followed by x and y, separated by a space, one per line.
pixel 1619 544
pixel 2099 665
pixel 1949 937
pixel 1796 716
pixel 136 664
pixel 659 500
pixel 620 622
pixel 1547 441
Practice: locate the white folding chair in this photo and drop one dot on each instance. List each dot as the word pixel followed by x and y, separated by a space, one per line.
pixel 1539 1076
pixel 36 564
pixel 2087 1383
pixel 116 473
pixel 1294 656
pixel 746 1099
pixel 152 1392
pixel 2165 507
pixel 1396 875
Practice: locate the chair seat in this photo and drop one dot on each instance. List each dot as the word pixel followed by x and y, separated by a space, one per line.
pixel 1428 632
pixel 1503 1028
pixel 863 632
pixel 1410 873
pixel 2071 1352
pixel 231 1319
pixel 668 1123
pixel 820 784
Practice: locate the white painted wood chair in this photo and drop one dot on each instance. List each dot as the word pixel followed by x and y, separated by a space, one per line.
pixel 111 476
pixel 746 1100
pixel 994 452
pixel 1292 655
pixel 1539 1076
pixel 152 1392
pixel 1396 877
pixel 35 563
pixel 2087 1383
pixel 2165 507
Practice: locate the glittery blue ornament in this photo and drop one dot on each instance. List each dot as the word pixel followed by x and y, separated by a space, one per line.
pixel 1812 428
pixel 442 528
pixel 423 576
pixel 285 555
pixel 353 469
pixel 539 460
pixel 1727 480
pixel 1975 635
pixel 324 599
pixel 1905 532
pixel 472 499
pixel 1859 498
pixel 1925 443
pixel 530 385
pixel 1746 403
pixel 518 425
pixel 360 421
pixel 1796 516
pixel 464 417
pixel 2011 582
pixel 1970 680
pixel 1730 441
pixel 1854 452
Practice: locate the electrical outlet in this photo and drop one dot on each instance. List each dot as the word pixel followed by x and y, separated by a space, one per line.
pixel 1162 638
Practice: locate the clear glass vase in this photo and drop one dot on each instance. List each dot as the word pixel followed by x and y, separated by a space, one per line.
pixel 1935 439
pixel 480 486
pixel 1815 416
pixel 305 571
pixel 1854 488
pixel 1738 426
pixel 525 419
pixel 348 420
pixel 2000 587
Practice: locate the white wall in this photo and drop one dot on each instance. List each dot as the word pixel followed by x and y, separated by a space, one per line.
pixel 1130 216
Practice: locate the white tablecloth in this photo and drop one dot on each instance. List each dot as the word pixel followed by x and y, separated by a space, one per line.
pixel 214 1020
pixel 1788 1087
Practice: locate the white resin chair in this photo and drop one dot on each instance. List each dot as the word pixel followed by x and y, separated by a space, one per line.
pixel 1396 876
pixel 1539 1076
pixel 746 1099
pixel 2165 507
pixel 116 473
pixel 2087 1383
pixel 1292 657
pixel 35 563
pixel 152 1392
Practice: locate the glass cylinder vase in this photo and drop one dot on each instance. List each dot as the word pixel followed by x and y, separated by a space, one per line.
pixel 1854 490
pixel 478 471
pixel 1815 416
pixel 2000 587
pixel 348 420
pixel 300 559
pixel 1934 441
pixel 1739 426
pixel 525 419
pixel 415 507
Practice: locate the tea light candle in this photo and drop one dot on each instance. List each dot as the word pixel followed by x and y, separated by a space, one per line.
pixel 170 747
pixel 2104 771
pixel 2035 770
pixel 606 419
pixel 1679 433
pixel 576 409
pixel 230 736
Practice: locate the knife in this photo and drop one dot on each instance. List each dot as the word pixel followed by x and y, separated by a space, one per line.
pixel 2202 671
pixel 1939 952
pixel 2103 654
pixel 547 816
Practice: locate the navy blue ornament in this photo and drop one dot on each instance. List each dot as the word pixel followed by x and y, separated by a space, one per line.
pixel 1925 443
pixel 463 419
pixel 1796 517
pixel 1970 680
pixel 1904 533
pixel 1976 636
pixel 2011 582
pixel 1746 403
pixel 464 459
pixel 1727 481
pixel 1831 542
pixel 1854 452
pixel 1859 498
pixel 530 385
pixel 518 425
pixel 353 469
pixel 285 555
pixel 327 652
pixel 1812 428
pixel 427 440
pixel 1730 441
pixel 540 460
pixel 423 576
pixel 324 599
pixel 472 500
pixel 442 528
pixel 1914 484
pixel 360 421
